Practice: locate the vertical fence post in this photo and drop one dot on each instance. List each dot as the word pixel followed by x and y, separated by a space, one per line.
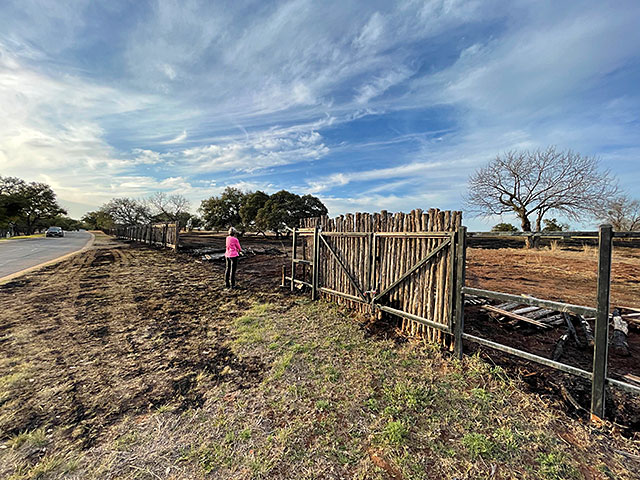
pixel 372 263
pixel 177 237
pixel 601 334
pixel 293 257
pixel 452 277
pixel 316 260
pixel 458 325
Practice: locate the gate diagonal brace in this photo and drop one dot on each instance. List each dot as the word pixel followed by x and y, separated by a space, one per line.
pixel 344 268
pixel 412 270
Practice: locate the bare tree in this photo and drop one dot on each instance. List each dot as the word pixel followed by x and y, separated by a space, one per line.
pixel 534 183
pixel 127 211
pixel 171 206
pixel 623 213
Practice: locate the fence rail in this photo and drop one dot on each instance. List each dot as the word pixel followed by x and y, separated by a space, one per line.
pixel 160 234
pixel 399 264
pixel 362 259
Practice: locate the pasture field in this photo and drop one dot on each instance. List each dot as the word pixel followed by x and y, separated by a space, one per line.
pixel 566 274
pixel 127 361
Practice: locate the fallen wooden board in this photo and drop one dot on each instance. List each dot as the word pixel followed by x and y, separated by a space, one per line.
pixel 522 311
pixel 508 305
pixel 631 378
pixel 515 316
pixel 554 320
pixel 633 309
pixel 539 314
pixel 634 321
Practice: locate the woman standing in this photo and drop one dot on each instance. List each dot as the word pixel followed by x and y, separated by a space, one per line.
pixel 231 259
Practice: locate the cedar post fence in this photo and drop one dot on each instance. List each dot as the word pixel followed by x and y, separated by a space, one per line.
pixel 397 264
pixel 166 235
pixel 413 267
pixel 461 259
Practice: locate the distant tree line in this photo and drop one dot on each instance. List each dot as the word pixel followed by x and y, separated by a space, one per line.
pixel 126 211
pixel 245 211
pixel 28 207
pixel 258 211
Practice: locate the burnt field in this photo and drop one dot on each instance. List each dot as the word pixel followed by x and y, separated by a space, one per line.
pixel 566 273
pixel 128 361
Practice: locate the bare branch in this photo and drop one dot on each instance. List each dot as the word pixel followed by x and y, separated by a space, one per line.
pixel 541 181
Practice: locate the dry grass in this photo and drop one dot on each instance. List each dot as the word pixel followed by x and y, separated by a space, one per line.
pixel 560 274
pixel 335 404
pixel 301 391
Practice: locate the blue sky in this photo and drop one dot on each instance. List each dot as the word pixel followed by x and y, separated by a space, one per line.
pixel 368 105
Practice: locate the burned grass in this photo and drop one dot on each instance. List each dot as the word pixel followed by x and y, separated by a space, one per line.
pixel 568 275
pixel 129 362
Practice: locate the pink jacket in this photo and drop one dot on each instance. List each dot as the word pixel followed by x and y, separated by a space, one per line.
pixel 233 247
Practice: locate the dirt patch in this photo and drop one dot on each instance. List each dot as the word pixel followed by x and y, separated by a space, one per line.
pixel 120 330
pixel 133 362
pixel 568 275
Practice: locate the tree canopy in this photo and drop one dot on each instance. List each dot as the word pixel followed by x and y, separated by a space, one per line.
pixel 170 208
pixel 252 204
pixel 127 211
pixel 223 211
pixel 286 209
pixel 623 213
pixel 27 206
pixel 532 184
pixel 504 227
pixel 259 211
pixel 98 220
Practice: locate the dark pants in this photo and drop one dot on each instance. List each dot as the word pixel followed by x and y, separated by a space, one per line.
pixel 230 271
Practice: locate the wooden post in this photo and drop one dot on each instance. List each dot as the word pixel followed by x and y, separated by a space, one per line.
pixel 293 257
pixel 458 326
pixel 316 258
pixel 452 278
pixel 372 264
pixel 600 352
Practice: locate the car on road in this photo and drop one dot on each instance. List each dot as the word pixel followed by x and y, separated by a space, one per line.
pixel 55 232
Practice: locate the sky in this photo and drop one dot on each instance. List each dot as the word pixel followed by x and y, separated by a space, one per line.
pixel 367 105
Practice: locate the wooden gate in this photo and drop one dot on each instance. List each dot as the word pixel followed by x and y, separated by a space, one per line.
pixel 398 264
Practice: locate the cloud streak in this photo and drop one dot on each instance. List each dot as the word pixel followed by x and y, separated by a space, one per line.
pixel 356 102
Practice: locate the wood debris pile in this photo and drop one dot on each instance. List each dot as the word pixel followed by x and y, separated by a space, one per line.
pixel 578 329
pixel 218 254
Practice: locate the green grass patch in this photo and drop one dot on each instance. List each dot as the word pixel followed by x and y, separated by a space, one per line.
pixel 35 438
pixel 555 466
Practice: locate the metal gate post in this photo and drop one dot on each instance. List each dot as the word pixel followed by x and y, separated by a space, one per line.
pixel 316 258
pixel 461 256
pixel 293 257
pixel 601 334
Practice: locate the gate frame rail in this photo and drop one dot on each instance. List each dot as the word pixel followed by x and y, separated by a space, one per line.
pixel 368 297
pixel 457 242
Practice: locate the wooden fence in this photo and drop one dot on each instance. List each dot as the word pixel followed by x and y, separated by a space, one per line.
pixel 399 264
pixel 413 266
pixel 160 234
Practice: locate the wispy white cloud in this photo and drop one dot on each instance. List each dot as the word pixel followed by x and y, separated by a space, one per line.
pixel 385 99
pixel 179 139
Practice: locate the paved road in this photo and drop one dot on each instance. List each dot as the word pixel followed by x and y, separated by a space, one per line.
pixel 16 255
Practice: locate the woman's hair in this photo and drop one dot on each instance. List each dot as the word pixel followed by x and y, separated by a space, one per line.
pixel 232 231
